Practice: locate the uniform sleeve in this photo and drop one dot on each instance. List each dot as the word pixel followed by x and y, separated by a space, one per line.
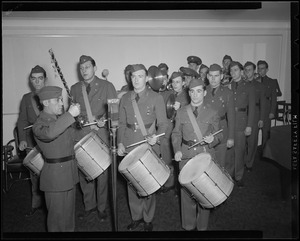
pixel 47 132
pixel 177 134
pixel 262 102
pixel 215 122
pixel 122 121
pixel 273 98
pixel 111 91
pixel 22 120
pixel 230 115
pixel 161 115
pixel 251 106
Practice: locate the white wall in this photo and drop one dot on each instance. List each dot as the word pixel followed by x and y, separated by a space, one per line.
pixel 116 43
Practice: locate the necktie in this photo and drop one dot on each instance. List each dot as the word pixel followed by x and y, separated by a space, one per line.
pixel 213 91
pixel 137 97
pixel 88 88
pixel 236 85
pixel 38 103
pixel 196 111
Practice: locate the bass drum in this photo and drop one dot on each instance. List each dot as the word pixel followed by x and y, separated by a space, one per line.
pixel 206 181
pixel 144 170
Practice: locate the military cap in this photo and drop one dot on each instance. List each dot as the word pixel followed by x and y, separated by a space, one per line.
pixel 189 72
pixel 236 63
pixel 84 58
pixel 196 82
pixel 37 69
pixel 194 59
pixel 161 72
pixel 49 92
pixel 136 67
pixel 227 57
pixel 215 67
pixel 163 66
pixel 128 68
pixel 262 62
pixel 175 75
pixel 248 63
pixel 203 66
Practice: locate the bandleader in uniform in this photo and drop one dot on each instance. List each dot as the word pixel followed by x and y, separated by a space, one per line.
pixel 58 178
pixel 95 192
pixel 152 110
pixel 193 216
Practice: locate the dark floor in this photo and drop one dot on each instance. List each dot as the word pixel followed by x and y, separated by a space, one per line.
pixel 260 208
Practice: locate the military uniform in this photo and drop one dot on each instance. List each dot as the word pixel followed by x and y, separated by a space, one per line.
pixel 252 140
pixel 244 105
pixel 183 136
pixel 95 192
pixel 152 108
pixel 271 105
pixel 29 111
pixel 59 175
pixel 222 101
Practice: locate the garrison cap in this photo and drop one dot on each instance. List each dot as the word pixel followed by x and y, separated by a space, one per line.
pixel 227 57
pixel 236 63
pixel 175 75
pixel 37 69
pixel 203 66
pixel 248 63
pixel 262 62
pixel 136 67
pixel 194 59
pixel 196 82
pixel 163 66
pixel 49 92
pixel 215 67
pixel 85 58
pixel 189 72
pixel 128 68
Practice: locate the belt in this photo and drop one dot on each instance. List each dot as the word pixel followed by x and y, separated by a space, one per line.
pixel 59 160
pixel 268 98
pixel 188 143
pixel 240 109
pixel 223 117
pixel 136 126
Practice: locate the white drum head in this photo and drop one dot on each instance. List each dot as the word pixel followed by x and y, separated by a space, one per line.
pixel 133 157
pixel 194 168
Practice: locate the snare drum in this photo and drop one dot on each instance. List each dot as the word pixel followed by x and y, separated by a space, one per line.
pixel 93 156
pixel 144 170
pixel 34 161
pixel 208 183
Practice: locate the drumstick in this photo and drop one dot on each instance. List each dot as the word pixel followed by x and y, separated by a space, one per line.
pixel 88 124
pixel 217 132
pixel 140 142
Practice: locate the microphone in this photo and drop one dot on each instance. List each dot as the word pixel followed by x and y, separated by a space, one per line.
pixel 105 73
pixel 113 112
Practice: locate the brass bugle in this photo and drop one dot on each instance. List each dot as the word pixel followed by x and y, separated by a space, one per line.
pixel 217 132
pixel 140 142
pixel 87 124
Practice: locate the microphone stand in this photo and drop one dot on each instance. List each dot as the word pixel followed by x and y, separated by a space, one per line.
pixel 113 130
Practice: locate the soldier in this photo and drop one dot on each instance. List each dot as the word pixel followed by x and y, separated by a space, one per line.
pixel 252 140
pixel 92 94
pixel 59 175
pixel 270 99
pixel 203 74
pixel 29 110
pixel 164 67
pixel 221 99
pixel 244 106
pixel 193 216
pixel 194 63
pixel 226 80
pixel 152 111
pixel 188 75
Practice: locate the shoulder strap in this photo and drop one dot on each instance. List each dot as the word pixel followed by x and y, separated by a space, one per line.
pixel 34 105
pixel 88 107
pixel 138 114
pixel 194 123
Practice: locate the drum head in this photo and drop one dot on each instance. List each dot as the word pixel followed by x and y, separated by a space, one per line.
pixel 133 156
pixel 194 168
pixel 36 150
pixel 83 140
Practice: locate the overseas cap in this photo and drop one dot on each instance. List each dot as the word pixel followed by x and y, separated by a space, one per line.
pixel 163 66
pixel 175 75
pixel 49 92
pixel 227 57
pixel 215 67
pixel 196 82
pixel 136 67
pixel 37 69
pixel 236 63
pixel 248 63
pixel 85 58
pixel 189 72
